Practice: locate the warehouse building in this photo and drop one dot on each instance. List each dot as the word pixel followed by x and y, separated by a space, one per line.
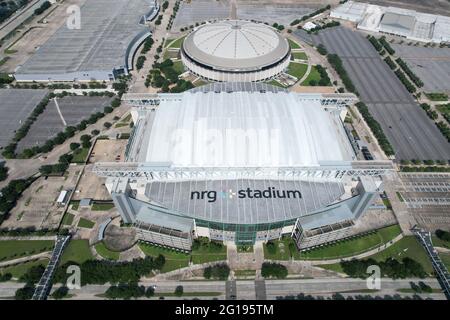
pixel 102 49
pixel 396 21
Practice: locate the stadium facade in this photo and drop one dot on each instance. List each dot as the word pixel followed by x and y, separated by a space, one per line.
pixel 235 51
pixel 240 162
pixel 100 49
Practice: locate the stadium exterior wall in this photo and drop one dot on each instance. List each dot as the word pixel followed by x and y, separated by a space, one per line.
pixel 244 76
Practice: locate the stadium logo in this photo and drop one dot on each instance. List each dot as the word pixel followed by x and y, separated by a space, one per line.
pixel 269 193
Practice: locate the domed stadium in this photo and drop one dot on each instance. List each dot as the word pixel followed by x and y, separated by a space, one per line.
pixel 235 51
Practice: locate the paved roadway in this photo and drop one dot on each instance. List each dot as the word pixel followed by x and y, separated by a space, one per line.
pixel 19 17
pixel 246 289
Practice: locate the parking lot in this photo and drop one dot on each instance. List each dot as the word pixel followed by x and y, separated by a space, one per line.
pixel 431 65
pixel 15 107
pixel 427 196
pixel 199 11
pixel 72 110
pixel 410 131
pixel 281 12
pixel 275 11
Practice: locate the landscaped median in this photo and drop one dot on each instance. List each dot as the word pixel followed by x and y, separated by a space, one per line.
pixel 14 249
pixel 407 247
pixel 203 251
pixel 285 248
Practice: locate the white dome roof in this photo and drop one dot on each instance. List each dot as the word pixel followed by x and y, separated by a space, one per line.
pixel 235 44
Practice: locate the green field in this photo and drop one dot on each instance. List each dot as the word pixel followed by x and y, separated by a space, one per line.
pixel 178 66
pixel 80 155
pixel 408 246
pixel 444 109
pixel 437 96
pixel 68 219
pixel 85 223
pixel 208 254
pixel 174 260
pixel 440 243
pixel 300 55
pixel 445 257
pixel 275 83
pixel 98 206
pixel 351 247
pixel 77 251
pixel 103 251
pixel 297 70
pixel 13 249
pixel 340 249
pixel 293 44
pixel 75 204
pixel 175 44
pixel 245 273
pixel 313 75
pixel 19 270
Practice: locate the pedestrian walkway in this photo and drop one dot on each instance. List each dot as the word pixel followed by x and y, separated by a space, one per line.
pixel 439 267
pixel 44 285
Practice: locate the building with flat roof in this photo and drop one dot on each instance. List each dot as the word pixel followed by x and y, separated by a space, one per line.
pixel 396 21
pixel 235 51
pixel 240 162
pixel 101 49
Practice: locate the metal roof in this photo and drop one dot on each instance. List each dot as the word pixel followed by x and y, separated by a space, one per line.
pixel 108 29
pixel 240 129
pixel 236 45
pixel 399 21
pixel 233 205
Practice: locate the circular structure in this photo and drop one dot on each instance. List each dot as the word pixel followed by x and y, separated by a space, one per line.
pixel 235 51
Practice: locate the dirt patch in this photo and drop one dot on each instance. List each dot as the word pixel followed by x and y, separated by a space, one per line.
pixel 119 239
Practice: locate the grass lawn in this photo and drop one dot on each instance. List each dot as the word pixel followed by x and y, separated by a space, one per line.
pixel 105 252
pixel 297 70
pixel 293 44
pixel 343 248
pixel 351 247
pixel 98 206
pixel 406 247
pixel 200 83
pixel 13 249
pixel 175 44
pixel 19 270
pixel 75 204
pixel 174 260
pixel 85 223
pixel 77 251
pixel 208 254
pixel 178 66
pixel 437 96
pixel 300 55
pixel 275 83
pixel 68 219
pixel 313 75
pixel 445 257
pixel 440 243
pixel 444 109
pixel 80 155
pixel 245 273
pixel 332 267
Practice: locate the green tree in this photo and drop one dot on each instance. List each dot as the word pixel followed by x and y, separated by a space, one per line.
pixel 179 291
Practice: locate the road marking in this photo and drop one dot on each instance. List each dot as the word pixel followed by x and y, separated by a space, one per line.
pixel 59 112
